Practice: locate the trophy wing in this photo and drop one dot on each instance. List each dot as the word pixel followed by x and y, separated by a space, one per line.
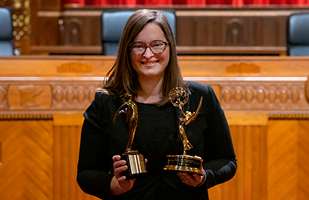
pixel 194 114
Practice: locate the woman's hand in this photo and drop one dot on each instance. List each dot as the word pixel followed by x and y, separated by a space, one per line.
pixel 191 179
pixel 119 183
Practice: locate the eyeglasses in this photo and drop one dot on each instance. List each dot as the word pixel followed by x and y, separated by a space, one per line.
pixel 157 46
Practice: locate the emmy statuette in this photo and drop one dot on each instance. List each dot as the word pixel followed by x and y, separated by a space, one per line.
pixel 135 160
pixel 184 163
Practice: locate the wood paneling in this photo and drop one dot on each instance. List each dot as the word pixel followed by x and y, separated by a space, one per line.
pixel 231 28
pixel 66 151
pixel 264 99
pixel 26 170
pixel 250 143
pixel 67 129
pixel 47 27
pixel 232 31
pixel 287 159
pixel 191 66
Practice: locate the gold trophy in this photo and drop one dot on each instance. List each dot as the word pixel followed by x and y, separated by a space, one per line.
pixel 135 160
pixel 184 163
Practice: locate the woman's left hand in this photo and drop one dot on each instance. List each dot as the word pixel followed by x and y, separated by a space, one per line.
pixel 190 179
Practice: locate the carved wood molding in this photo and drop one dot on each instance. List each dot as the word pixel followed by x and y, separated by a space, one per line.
pixel 26 116
pixel 283 97
pixel 307 89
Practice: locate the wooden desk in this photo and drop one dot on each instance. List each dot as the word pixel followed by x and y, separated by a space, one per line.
pixel 42 100
pixel 271 84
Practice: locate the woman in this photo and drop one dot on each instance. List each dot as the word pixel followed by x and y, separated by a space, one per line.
pixel 146 68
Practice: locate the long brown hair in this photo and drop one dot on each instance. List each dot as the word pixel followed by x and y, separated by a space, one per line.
pixel 122 78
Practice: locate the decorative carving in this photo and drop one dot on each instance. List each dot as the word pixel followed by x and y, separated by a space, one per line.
pixel 2 96
pixel 58 94
pixel 91 92
pixel 28 94
pixel 14 116
pixel 284 96
pixel 80 95
pixel 273 97
pixel 29 97
pixel 73 94
pixel 21 18
pixel 227 95
pixel 295 95
pixel 288 115
pixel 268 96
pixel 238 95
pixel 249 95
pixel 70 95
pixel 261 95
pixel 235 32
pixel 74 31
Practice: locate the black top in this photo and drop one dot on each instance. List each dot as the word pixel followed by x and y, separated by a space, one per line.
pixel 156 136
pixel 157 128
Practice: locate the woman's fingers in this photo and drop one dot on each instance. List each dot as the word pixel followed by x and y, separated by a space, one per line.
pixel 190 179
pixel 119 166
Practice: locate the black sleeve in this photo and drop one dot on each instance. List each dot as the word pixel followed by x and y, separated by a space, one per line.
pixel 220 159
pixel 94 163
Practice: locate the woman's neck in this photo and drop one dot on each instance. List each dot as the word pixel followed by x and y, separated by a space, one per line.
pixel 149 91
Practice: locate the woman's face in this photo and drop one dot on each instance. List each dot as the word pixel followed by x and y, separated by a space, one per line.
pixel 151 63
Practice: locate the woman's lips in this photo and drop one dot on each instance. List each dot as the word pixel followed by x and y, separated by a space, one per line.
pixel 151 63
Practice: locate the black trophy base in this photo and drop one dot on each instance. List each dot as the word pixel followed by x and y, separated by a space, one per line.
pixel 136 164
pixel 184 163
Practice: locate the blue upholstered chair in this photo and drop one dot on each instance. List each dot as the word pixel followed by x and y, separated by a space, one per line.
pixel 298 34
pixel 6 33
pixel 113 25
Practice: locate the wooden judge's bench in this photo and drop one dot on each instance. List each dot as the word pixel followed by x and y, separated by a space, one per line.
pixel 265 99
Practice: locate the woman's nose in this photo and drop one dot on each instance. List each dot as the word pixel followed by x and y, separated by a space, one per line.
pixel 148 53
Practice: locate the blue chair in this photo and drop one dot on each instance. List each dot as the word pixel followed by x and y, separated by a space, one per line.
pixel 6 33
pixel 298 34
pixel 113 25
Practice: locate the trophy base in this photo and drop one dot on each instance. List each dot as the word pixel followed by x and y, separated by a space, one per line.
pixel 184 163
pixel 136 164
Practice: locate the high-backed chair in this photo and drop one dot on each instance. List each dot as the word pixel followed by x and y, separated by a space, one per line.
pixel 298 34
pixel 113 25
pixel 6 33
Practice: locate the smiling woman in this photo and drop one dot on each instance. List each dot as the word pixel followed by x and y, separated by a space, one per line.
pixel 150 63
pixel 146 70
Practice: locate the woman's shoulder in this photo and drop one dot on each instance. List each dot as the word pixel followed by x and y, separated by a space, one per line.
pixel 103 94
pixel 199 87
pixel 103 98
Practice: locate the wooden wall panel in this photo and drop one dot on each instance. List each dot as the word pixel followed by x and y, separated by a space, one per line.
pixel 303 160
pixel 247 31
pixel 48 32
pixel 76 28
pixel 250 144
pixel 26 170
pixel 288 152
pixel 66 149
pixel 264 99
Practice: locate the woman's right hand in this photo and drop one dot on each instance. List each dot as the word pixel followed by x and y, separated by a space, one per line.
pixel 119 183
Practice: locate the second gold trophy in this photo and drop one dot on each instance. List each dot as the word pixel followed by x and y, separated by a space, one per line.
pixel 185 163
